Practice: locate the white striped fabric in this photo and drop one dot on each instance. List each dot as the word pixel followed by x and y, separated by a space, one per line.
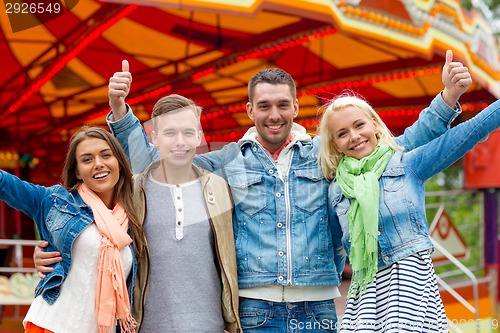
pixel 403 298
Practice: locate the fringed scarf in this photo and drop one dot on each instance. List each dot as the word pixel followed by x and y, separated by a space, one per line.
pixel 112 302
pixel 358 180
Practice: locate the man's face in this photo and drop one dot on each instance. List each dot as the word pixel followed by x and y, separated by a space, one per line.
pixel 273 109
pixel 176 137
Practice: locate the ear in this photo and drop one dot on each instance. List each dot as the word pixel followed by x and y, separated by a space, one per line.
pixel 295 108
pixel 154 138
pixel 200 135
pixel 249 110
pixel 77 173
pixel 377 128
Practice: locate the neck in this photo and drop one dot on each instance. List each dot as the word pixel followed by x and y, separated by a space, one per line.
pixel 173 175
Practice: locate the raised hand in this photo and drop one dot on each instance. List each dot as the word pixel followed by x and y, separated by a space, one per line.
pixel 118 89
pixel 456 79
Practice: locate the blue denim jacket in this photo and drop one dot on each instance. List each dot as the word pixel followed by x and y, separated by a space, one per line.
pixel 282 231
pixel 403 227
pixel 60 217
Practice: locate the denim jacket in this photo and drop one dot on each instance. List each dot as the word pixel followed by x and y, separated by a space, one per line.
pixel 60 217
pixel 403 227
pixel 282 231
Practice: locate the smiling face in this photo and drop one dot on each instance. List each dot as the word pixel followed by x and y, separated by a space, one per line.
pixel 98 168
pixel 273 109
pixel 354 132
pixel 176 136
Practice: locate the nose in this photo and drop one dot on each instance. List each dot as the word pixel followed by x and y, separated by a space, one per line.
pixel 99 162
pixel 354 135
pixel 274 113
pixel 179 140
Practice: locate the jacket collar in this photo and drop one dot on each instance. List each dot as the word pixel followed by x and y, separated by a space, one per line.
pixel 201 173
pixel 299 132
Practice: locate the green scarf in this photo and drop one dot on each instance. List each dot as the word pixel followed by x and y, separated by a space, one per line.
pixel 358 180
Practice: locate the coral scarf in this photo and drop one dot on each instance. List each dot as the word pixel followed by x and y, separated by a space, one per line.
pixel 358 180
pixel 112 302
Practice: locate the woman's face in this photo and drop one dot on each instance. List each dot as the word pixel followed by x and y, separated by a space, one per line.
pixel 98 168
pixel 354 132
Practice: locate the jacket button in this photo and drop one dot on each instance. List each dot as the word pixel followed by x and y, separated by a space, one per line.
pixel 280 225
pixel 379 233
pixel 386 258
pixel 280 278
pixel 280 253
pixel 278 195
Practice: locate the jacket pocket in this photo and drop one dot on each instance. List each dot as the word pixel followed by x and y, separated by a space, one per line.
pixel 310 190
pixel 243 188
pixel 393 179
pixel 60 213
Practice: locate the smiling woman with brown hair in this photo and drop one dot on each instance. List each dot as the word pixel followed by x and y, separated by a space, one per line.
pixel 87 220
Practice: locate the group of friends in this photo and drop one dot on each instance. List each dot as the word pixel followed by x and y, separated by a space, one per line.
pixel 150 237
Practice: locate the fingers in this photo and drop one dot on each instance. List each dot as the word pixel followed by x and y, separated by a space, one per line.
pixel 125 67
pixel 449 63
pixel 43 259
pixel 449 57
pixel 460 76
pixel 119 83
pixel 41 244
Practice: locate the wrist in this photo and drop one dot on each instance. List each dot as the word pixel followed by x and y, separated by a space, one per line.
pixel 449 98
pixel 118 112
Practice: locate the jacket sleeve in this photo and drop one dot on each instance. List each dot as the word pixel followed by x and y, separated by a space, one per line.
pixel 23 196
pixel 216 160
pixel 133 139
pixel 339 255
pixel 440 153
pixel 432 122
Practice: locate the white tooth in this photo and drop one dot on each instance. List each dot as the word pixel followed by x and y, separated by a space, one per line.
pixel 101 175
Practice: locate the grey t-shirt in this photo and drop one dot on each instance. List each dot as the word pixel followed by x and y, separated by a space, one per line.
pixel 184 287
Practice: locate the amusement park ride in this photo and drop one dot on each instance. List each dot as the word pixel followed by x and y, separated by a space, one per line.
pixel 56 66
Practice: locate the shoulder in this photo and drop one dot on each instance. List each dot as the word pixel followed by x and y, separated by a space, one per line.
pixel 210 177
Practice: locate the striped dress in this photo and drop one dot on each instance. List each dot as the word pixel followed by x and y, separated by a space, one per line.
pixel 403 298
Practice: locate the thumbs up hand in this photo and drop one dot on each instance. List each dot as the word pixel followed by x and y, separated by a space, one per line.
pixel 456 79
pixel 118 89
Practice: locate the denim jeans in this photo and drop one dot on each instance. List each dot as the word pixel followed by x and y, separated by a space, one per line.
pixel 258 316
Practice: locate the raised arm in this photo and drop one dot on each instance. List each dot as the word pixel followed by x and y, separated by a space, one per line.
pixel 437 118
pixel 22 195
pixel 125 126
pixel 454 144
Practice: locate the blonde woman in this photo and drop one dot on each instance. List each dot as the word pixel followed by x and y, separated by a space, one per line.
pixel 377 196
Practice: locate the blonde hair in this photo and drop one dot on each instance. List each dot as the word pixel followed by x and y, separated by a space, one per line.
pixel 329 157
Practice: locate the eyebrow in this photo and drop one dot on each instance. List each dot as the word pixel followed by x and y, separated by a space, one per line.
pixel 354 122
pixel 87 154
pixel 267 101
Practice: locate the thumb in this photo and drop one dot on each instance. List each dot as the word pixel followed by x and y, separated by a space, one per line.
pixel 125 67
pixel 449 57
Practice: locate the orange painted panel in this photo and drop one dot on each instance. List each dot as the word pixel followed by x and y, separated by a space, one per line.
pixel 482 164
